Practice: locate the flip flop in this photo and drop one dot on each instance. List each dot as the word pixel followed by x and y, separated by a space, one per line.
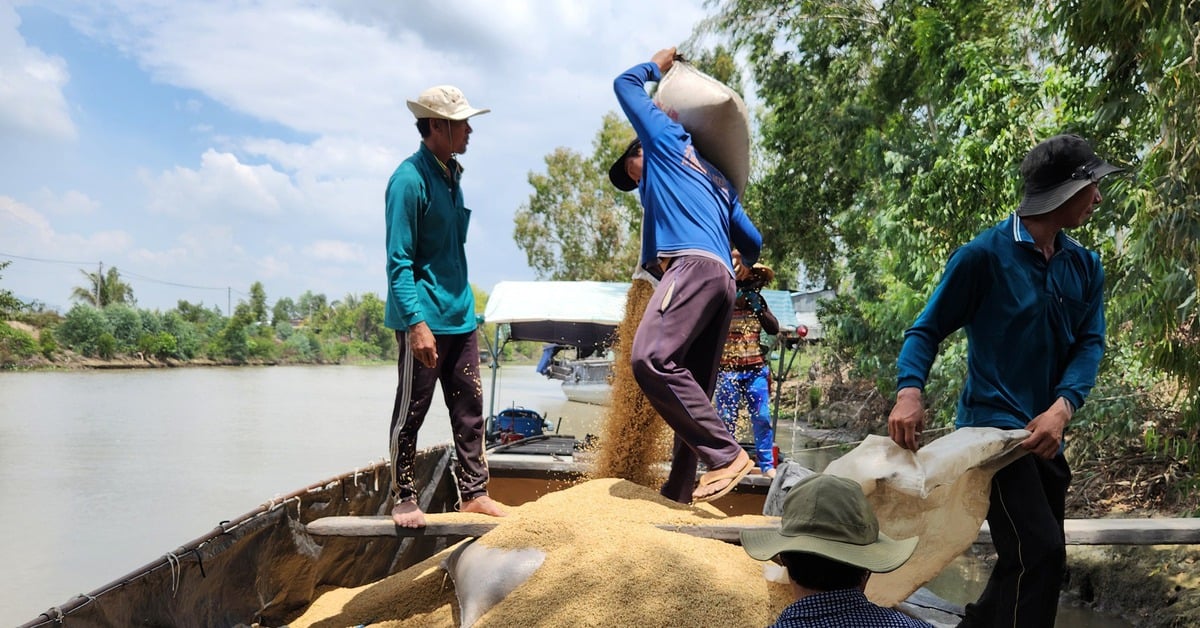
pixel 731 474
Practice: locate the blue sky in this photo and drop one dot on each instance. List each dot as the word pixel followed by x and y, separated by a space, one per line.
pixel 202 146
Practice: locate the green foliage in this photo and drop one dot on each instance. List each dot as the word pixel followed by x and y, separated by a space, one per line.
pixel 46 344
pixel 814 397
pixel 104 289
pixel 893 134
pixel 106 346
pixel 188 339
pixel 9 304
pixel 283 311
pixel 258 303
pixel 125 324
pixel 576 225
pixel 81 329
pixel 1143 89
pixel 301 346
pixel 160 345
pixel 15 345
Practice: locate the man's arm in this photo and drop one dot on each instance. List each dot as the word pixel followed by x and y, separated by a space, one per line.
pixel 404 203
pixel 647 119
pixel 950 307
pixel 1047 429
pixel 745 236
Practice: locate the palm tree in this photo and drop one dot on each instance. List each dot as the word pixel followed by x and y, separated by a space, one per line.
pixel 105 289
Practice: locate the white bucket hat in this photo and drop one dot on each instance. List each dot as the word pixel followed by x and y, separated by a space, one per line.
pixel 444 102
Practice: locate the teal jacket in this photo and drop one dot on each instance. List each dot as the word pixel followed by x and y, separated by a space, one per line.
pixel 426 255
pixel 1035 328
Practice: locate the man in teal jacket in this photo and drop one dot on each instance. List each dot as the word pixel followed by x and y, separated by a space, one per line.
pixel 1031 300
pixel 430 304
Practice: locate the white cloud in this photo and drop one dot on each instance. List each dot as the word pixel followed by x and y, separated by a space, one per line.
pixel 68 203
pixel 221 187
pixel 289 118
pixel 336 252
pixel 31 82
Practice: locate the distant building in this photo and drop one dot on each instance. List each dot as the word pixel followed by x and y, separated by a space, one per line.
pixel 805 305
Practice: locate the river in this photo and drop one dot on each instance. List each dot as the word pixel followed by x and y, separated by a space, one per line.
pixel 102 472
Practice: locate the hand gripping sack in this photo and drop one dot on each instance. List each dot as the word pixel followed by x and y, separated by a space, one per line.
pixel 713 114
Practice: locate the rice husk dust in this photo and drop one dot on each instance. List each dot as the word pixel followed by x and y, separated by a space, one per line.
pixel 634 438
pixel 607 564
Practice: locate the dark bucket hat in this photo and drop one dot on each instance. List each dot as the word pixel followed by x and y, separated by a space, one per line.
pixel 1056 169
pixel 616 172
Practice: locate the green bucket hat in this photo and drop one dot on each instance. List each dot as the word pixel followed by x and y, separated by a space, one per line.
pixel 830 516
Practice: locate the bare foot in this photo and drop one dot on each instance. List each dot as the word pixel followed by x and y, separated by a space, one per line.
pixel 408 515
pixel 483 505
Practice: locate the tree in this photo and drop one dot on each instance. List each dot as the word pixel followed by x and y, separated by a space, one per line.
pixel 9 304
pixel 82 328
pixel 258 302
pixel 283 311
pixel 1142 91
pixel 104 289
pixel 576 225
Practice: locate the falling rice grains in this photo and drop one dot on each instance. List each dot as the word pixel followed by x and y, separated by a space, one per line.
pixel 634 437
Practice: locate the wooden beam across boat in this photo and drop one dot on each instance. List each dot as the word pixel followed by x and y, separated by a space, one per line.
pixel 382 525
pixel 1154 531
pixel 1161 531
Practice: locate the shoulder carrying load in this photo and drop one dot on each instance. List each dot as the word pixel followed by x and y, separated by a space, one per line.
pixel 715 116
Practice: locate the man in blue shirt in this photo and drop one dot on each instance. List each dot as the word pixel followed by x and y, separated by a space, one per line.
pixel 829 542
pixel 691 215
pixel 1031 301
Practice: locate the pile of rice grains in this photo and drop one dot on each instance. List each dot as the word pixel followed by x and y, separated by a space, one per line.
pixel 607 563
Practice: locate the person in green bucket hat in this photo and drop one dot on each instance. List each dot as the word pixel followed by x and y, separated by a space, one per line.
pixel 829 542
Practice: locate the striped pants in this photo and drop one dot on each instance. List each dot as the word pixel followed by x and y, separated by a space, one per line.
pixel 1025 516
pixel 457 369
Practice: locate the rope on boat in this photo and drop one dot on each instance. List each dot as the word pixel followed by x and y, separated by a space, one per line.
pixel 176 570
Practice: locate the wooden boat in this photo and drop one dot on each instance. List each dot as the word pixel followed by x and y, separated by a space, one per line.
pixel 264 567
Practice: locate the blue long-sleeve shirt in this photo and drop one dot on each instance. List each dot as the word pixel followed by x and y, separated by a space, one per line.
pixel 426 247
pixel 690 207
pixel 1035 328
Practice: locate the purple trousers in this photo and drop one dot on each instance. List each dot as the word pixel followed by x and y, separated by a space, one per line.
pixel 675 356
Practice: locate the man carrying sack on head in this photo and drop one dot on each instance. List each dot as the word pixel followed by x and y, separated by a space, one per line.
pixel 691 214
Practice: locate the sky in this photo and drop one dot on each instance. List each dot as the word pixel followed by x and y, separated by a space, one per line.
pixel 199 147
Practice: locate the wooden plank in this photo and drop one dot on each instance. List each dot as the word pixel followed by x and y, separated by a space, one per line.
pixel 1078 531
pixel 1159 531
pixel 382 525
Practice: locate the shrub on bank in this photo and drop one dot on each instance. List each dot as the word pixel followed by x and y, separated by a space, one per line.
pixel 15 345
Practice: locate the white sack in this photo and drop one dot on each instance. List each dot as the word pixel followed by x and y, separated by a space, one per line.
pixel 713 114
pixel 939 493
